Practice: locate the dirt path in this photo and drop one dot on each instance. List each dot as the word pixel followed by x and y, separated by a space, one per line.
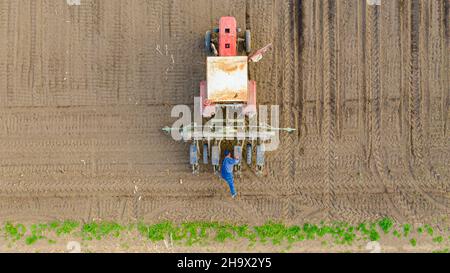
pixel 85 90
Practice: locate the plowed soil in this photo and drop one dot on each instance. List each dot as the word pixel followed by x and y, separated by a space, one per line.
pixel 85 90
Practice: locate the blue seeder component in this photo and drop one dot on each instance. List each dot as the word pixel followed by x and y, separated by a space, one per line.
pixel 205 153
pixel 249 154
pixel 238 152
pixel 193 154
pixel 215 155
pixel 259 155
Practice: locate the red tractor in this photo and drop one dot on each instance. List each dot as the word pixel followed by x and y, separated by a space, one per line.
pixel 227 71
pixel 228 87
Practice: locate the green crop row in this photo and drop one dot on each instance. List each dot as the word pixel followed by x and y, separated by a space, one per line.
pixel 197 232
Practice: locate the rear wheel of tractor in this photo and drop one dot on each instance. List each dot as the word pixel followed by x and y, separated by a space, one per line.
pixel 248 41
pixel 208 41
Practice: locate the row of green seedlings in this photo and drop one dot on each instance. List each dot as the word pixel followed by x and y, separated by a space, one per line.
pixel 197 232
pixel 36 232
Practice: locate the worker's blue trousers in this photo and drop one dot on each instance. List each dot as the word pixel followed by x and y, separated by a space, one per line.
pixel 229 179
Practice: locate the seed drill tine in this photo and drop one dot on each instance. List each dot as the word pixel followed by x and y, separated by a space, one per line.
pixel 238 153
pixel 205 153
pixel 259 159
pixel 193 158
pixel 249 154
pixel 215 158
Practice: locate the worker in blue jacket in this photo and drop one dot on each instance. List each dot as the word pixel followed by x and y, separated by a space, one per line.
pixel 227 170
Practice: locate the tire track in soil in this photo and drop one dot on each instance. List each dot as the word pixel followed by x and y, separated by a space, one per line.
pixel 329 131
pixel 297 90
pixel 375 121
pixel 415 107
pixel 390 95
pixel 4 15
pixel 33 58
pixel 406 209
pixel 289 89
pixel 446 94
pixel 425 91
pixel 345 134
pixel 375 91
pixel 363 169
pixel 399 198
pixel 11 51
pixel 410 103
pixel 414 85
pixel 307 98
pixel 319 80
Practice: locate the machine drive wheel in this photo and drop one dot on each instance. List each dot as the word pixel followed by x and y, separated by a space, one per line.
pixel 208 41
pixel 248 41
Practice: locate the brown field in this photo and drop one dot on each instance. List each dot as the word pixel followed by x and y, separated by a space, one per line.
pixel 85 90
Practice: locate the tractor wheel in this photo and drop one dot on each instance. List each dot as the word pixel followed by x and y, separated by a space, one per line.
pixel 248 41
pixel 208 41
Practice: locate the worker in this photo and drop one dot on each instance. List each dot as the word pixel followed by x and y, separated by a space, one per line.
pixel 227 170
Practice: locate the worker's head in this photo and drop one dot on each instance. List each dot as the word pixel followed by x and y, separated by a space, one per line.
pixel 227 153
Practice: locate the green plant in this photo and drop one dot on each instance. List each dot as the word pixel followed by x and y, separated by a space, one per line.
pixel 445 250
pixel 66 227
pixel 37 233
pixel 438 239
pixel 420 230
pixel 15 232
pixel 223 233
pixel 277 232
pixel 386 225
pixel 100 230
pixel 429 230
pixel 31 239
pixel 156 232
pixel 406 230
pixel 374 235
